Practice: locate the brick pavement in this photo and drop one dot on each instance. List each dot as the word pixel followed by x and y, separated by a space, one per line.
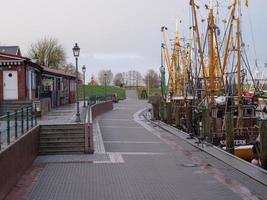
pixel 141 164
pixel 63 115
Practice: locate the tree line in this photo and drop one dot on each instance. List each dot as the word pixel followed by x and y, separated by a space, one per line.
pixel 131 78
pixel 49 52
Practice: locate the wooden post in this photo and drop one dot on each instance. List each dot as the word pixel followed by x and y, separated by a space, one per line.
pixel 188 112
pixel 156 110
pixel 177 116
pixel 263 144
pixel 229 133
pixel 206 125
pixel 169 114
pixel 161 110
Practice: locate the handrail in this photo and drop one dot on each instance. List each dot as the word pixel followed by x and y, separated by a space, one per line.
pixel 12 124
pixel 91 100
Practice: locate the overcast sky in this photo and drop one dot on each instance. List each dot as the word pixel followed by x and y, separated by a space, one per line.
pixel 120 35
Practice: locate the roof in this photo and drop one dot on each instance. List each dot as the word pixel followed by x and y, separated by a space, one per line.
pixel 7 56
pixel 14 50
pixel 10 59
pixel 59 72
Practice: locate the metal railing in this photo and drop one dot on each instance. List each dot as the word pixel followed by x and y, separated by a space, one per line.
pixel 14 124
pixel 44 92
pixel 92 100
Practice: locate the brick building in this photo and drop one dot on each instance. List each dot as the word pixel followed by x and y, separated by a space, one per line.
pixel 22 80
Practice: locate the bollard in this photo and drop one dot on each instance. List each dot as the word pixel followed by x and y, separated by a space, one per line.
pixel 177 116
pixel 263 144
pixel 229 133
pixel 206 125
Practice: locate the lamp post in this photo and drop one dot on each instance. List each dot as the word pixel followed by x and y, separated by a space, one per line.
pixel 76 52
pixel 84 70
pixel 105 75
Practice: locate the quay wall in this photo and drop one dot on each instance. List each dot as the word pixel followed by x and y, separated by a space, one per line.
pixel 101 108
pixel 17 158
pixel 96 110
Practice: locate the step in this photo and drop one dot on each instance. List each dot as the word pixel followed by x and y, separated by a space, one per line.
pixel 61 136
pixel 60 145
pixel 74 130
pixel 15 104
pixel 47 152
pixel 62 127
pixel 72 148
pixel 66 131
pixel 62 140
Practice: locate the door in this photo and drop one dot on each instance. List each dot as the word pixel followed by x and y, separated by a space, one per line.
pixel 10 82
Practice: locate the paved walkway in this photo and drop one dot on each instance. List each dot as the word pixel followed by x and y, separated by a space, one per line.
pixel 63 114
pixel 136 163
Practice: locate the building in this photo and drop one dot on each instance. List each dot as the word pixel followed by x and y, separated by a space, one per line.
pixel 22 80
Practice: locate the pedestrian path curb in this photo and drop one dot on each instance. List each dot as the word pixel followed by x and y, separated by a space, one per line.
pixel 245 167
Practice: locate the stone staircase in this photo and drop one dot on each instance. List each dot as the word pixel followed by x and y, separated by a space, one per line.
pixel 12 105
pixel 62 139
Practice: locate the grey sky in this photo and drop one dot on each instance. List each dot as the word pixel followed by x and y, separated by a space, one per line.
pixel 113 34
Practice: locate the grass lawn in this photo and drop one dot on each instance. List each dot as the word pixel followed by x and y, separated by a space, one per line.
pixel 152 91
pixel 100 90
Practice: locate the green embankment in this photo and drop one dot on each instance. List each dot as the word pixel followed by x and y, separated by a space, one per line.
pixel 100 90
pixel 152 92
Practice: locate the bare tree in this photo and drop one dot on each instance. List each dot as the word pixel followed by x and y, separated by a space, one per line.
pixel 118 80
pixel 69 67
pixel 138 79
pixel 151 79
pixel 105 77
pixel 48 52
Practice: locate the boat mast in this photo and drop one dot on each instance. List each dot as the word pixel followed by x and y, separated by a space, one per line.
pixel 226 55
pixel 200 51
pixel 239 91
pixel 212 60
pixel 166 55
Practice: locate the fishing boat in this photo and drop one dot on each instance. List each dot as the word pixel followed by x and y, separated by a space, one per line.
pixel 204 78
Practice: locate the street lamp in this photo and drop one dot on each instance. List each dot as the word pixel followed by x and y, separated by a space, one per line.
pixel 76 53
pixel 84 70
pixel 105 75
